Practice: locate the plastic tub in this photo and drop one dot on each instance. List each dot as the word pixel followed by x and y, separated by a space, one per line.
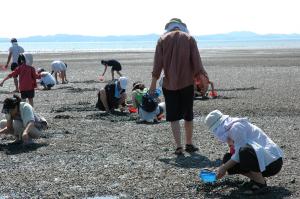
pixel 207 176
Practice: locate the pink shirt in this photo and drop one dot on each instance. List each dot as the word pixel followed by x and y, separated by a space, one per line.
pixel 27 77
pixel 178 56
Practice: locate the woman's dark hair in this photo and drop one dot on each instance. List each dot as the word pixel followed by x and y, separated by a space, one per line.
pixel 138 85
pixel 103 62
pixel 21 59
pixel 10 103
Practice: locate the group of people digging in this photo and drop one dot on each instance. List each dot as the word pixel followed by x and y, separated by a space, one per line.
pixel 253 153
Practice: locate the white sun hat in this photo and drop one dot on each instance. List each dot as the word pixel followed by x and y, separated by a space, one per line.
pixel 214 119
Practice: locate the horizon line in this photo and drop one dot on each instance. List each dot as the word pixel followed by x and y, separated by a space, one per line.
pixel 147 34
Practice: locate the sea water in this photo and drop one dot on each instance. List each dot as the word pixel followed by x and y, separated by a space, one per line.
pixel 146 45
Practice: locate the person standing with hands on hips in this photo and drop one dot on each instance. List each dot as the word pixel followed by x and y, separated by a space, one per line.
pixel 178 56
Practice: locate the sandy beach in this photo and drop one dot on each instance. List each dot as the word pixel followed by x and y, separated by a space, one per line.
pixel 87 153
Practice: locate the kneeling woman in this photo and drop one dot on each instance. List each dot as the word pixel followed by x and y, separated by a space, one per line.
pixel 255 155
pixel 148 112
pixel 20 120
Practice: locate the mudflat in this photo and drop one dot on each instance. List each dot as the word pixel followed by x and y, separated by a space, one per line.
pixel 88 153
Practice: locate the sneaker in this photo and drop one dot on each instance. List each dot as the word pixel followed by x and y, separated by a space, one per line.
pixel 191 148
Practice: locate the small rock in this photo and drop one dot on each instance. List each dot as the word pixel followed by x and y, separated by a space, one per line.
pixel 293 181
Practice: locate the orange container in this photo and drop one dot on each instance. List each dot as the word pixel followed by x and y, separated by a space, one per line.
pixel 213 94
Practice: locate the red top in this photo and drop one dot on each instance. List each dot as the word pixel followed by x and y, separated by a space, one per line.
pixel 27 77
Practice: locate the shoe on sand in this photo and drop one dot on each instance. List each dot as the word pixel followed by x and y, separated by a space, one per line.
pixel 190 148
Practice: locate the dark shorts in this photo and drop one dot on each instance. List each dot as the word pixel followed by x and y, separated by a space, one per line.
pixel 116 68
pixel 27 94
pixel 13 66
pixel 249 162
pixel 179 104
pixel 49 86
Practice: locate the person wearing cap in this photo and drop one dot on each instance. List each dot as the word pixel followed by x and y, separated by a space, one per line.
pixel 138 91
pixel 113 95
pixel 115 66
pixel 177 55
pixel 27 79
pixel 255 155
pixel 20 120
pixel 13 54
pixel 46 79
pixel 59 67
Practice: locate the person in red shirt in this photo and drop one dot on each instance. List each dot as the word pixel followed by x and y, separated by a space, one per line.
pixel 27 79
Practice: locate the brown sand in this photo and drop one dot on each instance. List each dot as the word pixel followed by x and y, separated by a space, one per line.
pixel 87 153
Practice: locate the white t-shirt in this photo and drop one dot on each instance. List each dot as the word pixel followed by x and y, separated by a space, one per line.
pixel 15 49
pixel 47 78
pixel 58 66
pixel 26 113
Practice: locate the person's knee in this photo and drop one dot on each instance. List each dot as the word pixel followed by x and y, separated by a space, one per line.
pixel 226 158
pixel 245 152
pixel 3 124
pixel 35 133
pixel 18 127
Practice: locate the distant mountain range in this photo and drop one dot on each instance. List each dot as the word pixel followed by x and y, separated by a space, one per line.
pixel 232 36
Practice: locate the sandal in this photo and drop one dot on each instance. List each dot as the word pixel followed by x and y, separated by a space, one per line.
pixel 256 188
pixel 190 148
pixel 179 151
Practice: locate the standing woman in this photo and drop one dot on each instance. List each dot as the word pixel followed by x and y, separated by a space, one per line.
pixel 177 55
pixel 20 120
pixel 13 54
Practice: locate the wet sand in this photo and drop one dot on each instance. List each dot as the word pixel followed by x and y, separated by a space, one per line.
pixel 87 153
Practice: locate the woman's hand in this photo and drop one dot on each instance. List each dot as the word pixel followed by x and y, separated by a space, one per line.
pixel 221 172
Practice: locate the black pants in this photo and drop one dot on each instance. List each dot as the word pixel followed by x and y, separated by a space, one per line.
pixel 249 162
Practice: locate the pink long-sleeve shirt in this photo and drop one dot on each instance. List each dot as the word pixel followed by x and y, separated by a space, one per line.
pixel 178 56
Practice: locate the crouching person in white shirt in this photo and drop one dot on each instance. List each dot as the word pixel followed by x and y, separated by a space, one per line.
pixel 254 154
pixel 21 121
pixel 47 80
pixel 59 67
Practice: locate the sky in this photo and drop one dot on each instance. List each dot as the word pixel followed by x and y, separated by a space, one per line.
pixel 23 18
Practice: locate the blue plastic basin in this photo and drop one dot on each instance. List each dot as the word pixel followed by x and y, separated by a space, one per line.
pixel 207 176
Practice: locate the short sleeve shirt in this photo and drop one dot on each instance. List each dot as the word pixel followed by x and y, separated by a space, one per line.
pixel 26 113
pixel 15 50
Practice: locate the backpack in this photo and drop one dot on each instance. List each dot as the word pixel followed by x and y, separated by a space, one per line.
pixel 40 122
pixel 149 103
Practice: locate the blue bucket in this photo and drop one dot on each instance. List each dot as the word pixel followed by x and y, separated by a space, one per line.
pixel 207 176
